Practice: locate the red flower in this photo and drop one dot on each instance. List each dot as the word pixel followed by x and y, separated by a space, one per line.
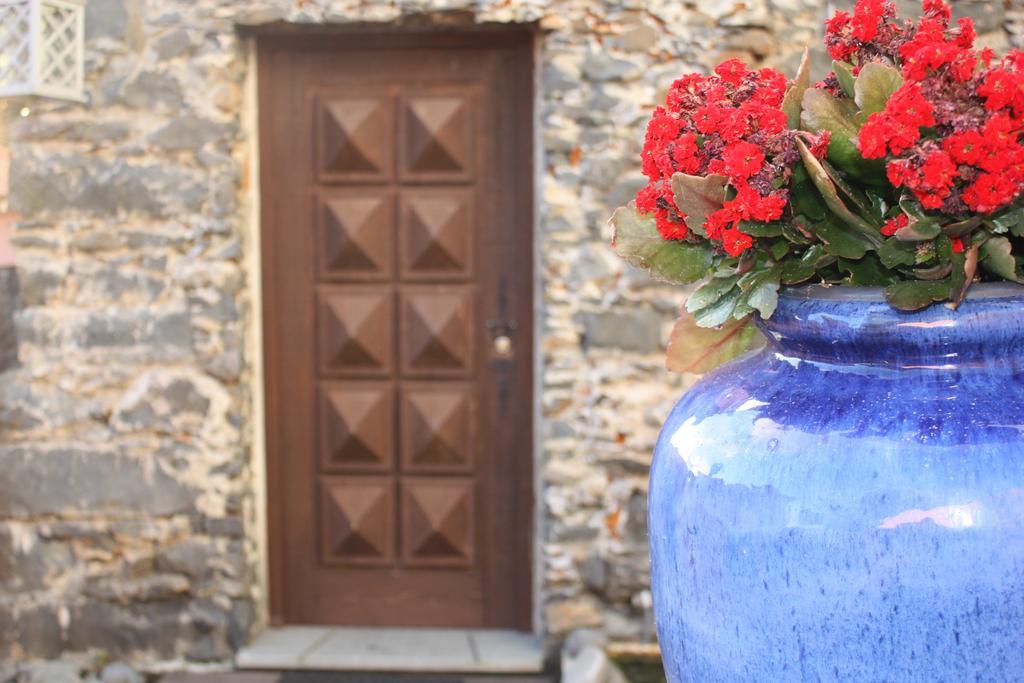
pixel 706 119
pixel 838 23
pixel 938 170
pixel 964 148
pixel 670 222
pixel 894 224
pixel 872 139
pixel 820 147
pixel 742 160
pixel 909 106
pixel 936 9
pixel 719 221
pixel 647 198
pixel 736 242
pixel 766 208
pixel 989 192
pixel 999 88
pixel 866 16
pixel 729 123
pixel 965 38
pixel 771 120
pixel 900 173
pixel 684 154
pixel 732 71
pixel 902 136
pixel 929 200
pixel 958 245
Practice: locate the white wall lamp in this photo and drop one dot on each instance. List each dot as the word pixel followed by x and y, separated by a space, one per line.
pixel 41 48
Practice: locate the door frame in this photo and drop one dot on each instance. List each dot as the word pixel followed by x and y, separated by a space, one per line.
pixel 265 173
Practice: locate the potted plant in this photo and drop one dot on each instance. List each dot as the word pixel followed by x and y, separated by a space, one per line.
pixel 847 502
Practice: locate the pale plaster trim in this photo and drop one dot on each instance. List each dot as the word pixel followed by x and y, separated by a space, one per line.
pixel 539 324
pixel 254 336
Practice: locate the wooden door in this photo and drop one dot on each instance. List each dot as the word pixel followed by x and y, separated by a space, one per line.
pixel 397 256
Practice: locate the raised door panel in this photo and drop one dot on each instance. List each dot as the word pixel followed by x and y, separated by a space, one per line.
pixel 356 228
pixel 355 138
pixel 438 135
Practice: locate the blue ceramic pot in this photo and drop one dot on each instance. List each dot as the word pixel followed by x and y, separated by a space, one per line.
pixel 848 504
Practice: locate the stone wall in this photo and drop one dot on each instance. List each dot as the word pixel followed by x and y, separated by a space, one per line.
pixel 127 511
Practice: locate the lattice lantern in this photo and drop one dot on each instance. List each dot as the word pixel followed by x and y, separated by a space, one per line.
pixel 41 48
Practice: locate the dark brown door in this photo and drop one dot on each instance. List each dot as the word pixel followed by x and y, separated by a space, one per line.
pixel 397 255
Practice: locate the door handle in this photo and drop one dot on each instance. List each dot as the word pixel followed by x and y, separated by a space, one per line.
pixel 501 337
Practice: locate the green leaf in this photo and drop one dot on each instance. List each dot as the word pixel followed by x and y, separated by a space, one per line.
pixel 970 269
pixel 698 196
pixel 894 253
pixel 867 271
pixel 692 348
pixel 958 274
pixel 822 111
pixel 874 85
pixel 807 201
pixel 936 272
pixel 821 180
pixel 853 195
pixel 919 230
pixel 720 311
pixel 842 242
pixel 913 295
pixel 761 290
pixel 924 251
pixel 1008 219
pixel 791 103
pixel 796 232
pixel 710 292
pixel 961 228
pixel 997 258
pixel 636 239
pixel 778 249
pixel 844 74
pixel 794 272
pixel 910 206
pixel 879 205
pixel 755 229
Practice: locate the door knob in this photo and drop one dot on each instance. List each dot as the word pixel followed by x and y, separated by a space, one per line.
pixel 503 346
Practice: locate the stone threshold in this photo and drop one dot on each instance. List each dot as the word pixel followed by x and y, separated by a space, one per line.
pixel 394 650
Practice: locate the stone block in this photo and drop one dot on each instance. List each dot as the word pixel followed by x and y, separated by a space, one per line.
pixel 10 300
pixel 583 611
pixel 52 183
pixel 190 133
pixel 106 19
pixel 171 402
pixel 168 333
pixel 34 631
pixel 156 628
pixel 76 479
pixel 28 562
pixel 600 66
pixel 150 90
pixel 172 44
pixel 628 330
pixel 119 672
pixel 191 557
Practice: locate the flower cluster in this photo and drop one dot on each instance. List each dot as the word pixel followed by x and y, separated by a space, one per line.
pixel 952 132
pixel 902 169
pixel 869 34
pixel 729 124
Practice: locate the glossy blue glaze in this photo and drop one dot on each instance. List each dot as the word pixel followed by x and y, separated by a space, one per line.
pixel 848 505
